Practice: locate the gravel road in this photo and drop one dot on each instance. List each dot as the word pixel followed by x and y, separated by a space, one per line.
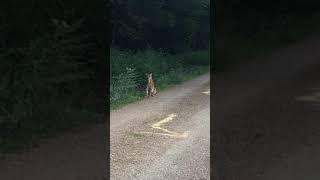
pixel 266 116
pixel 265 122
pixel 164 137
pixel 181 145
pixel 73 156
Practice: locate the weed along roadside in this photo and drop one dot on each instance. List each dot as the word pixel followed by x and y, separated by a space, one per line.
pixel 128 69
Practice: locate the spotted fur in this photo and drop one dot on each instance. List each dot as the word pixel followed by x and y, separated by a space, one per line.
pixel 151 89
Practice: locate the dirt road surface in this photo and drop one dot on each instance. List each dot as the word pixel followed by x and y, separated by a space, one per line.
pixel 179 115
pixel 74 156
pixel 164 137
pixel 266 117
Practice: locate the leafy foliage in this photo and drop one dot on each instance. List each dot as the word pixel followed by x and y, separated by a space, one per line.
pixel 122 85
pixel 172 25
pixel 128 69
pixel 47 66
pixel 39 82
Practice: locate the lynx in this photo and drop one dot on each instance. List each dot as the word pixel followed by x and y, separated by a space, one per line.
pixel 151 89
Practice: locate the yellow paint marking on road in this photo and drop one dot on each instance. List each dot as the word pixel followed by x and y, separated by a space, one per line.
pixel 183 135
pixel 167 132
pixel 207 92
pixel 313 98
pixel 168 119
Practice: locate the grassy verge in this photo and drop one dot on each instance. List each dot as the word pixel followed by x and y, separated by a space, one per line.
pixel 240 41
pixel 128 71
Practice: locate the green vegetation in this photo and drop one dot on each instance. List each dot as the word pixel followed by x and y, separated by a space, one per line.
pixel 128 79
pixel 175 26
pixel 49 71
pixel 54 53
pixel 167 38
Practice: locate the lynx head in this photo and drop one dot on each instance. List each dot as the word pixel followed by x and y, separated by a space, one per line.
pixel 149 75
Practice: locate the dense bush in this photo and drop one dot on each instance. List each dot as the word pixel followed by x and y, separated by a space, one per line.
pixel 42 82
pixel 128 71
pixel 123 85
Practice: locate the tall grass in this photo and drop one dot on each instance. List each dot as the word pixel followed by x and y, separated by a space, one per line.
pixel 128 71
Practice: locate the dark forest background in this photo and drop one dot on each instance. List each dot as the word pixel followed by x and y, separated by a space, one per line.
pixel 167 38
pixel 54 53
pixel 173 26
pixel 247 29
pixel 53 57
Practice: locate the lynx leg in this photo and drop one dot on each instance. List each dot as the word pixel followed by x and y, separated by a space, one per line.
pixel 154 92
pixel 147 92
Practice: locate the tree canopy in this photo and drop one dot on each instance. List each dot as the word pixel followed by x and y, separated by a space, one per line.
pixel 171 25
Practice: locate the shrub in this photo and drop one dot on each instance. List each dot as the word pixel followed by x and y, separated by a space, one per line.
pixel 122 85
pixel 128 71
pixel 41 83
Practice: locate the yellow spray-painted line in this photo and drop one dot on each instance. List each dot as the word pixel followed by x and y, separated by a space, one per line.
pixel 183 135
pixel 171 117
pixel 313 98
pixel 167 132
pixel 206 92
pixel 165 120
